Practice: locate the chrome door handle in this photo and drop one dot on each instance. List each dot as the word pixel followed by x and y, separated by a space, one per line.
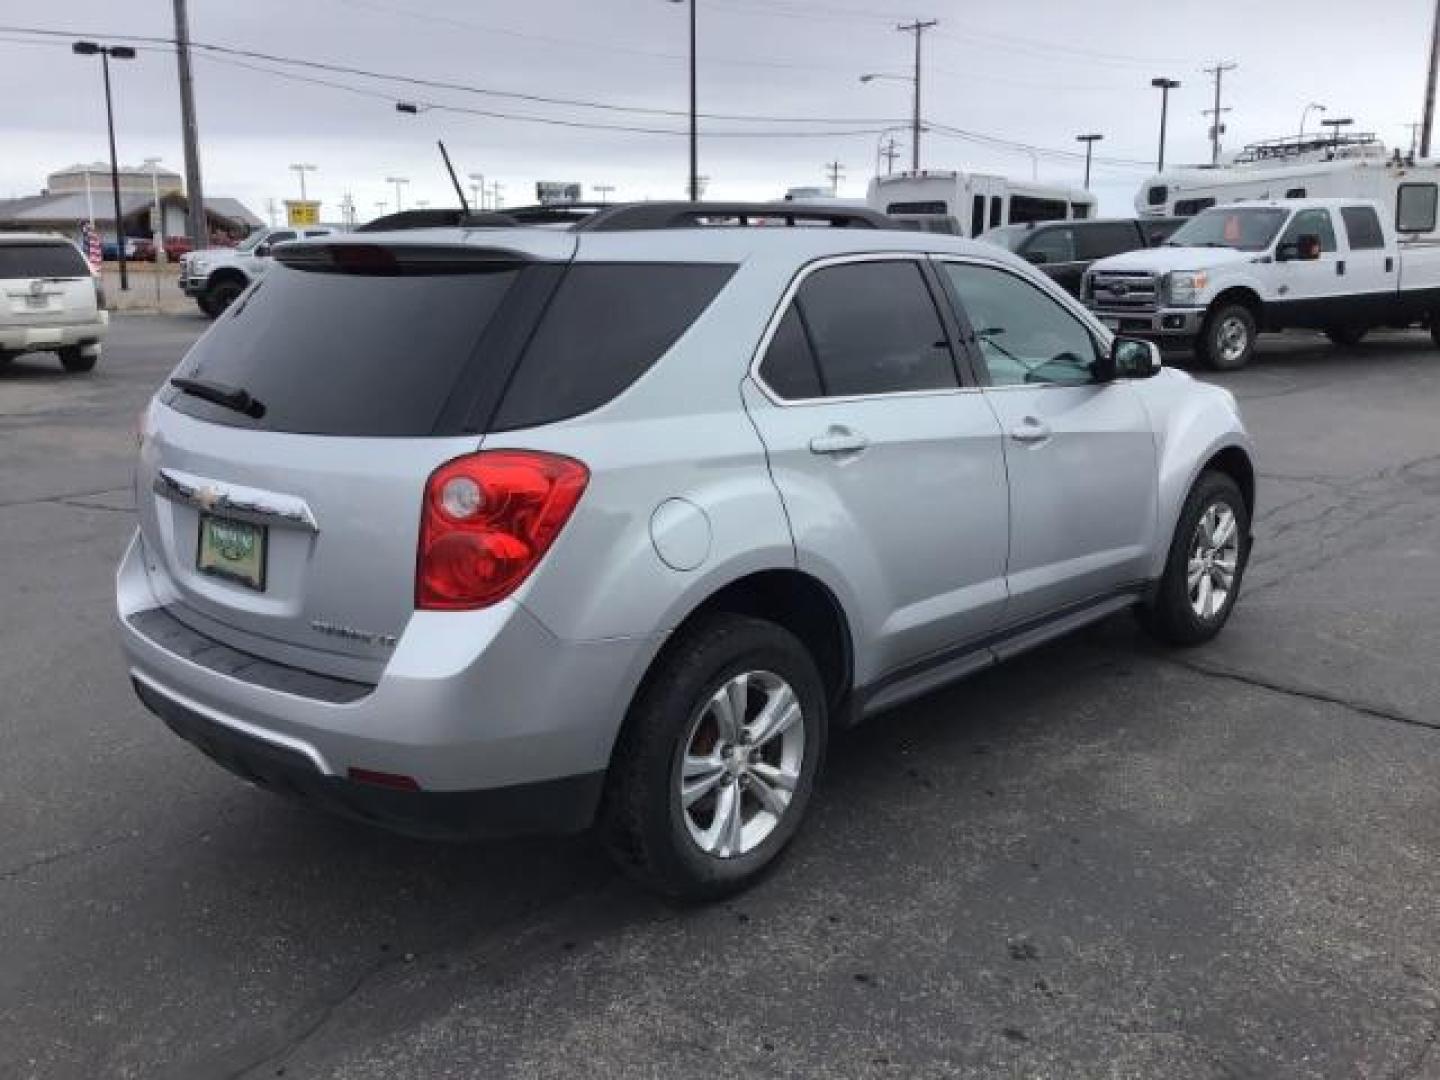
pixel 839 440
pixel 1031 430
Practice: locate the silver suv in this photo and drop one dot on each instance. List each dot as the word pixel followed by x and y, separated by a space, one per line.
pixel 487 530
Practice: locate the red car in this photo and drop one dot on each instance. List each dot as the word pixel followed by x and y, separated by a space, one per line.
pixel 175 246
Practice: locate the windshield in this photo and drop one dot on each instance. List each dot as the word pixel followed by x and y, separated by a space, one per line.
pixel 1249 228
pixel 251 240
pixel 1007 236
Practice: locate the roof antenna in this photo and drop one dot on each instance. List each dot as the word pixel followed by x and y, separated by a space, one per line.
pixel 453 179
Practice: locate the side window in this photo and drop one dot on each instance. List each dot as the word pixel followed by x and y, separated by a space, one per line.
pixel 875 330
pixel 1362 226
pixel 1191 207
pixel 1415 208
pixel 997 211
pixel 1079 211
pixel 1024 336
pixel 279 238
pixel 606 325
pixel 1052 246
pixel 1311 223
pixel 1157 195
pixel 1104 238
pixel 977 215
pixel 1295 193
pixel 789 365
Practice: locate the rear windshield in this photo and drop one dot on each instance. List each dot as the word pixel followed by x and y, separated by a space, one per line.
pixel 346 354
pixel 41 260
pixel 375 354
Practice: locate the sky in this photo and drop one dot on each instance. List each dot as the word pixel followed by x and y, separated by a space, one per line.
pixel 1035 72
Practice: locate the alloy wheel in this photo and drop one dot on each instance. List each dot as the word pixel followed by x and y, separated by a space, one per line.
pixel 1214 560
pixel 741 761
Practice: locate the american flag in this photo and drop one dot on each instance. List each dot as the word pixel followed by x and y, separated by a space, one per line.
pixel 90 243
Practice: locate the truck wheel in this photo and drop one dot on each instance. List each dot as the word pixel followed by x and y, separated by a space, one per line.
pixel 203 302
pixel 73 360
pixel 1207 559
pixel 713 772
pixel 220 296
pixel 1435 329
pixel 1227 340
pixel 1347 335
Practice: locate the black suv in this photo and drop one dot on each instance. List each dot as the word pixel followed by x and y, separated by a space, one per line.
pixel 1065 249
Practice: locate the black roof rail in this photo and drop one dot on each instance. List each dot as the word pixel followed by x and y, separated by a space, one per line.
pixel 625 217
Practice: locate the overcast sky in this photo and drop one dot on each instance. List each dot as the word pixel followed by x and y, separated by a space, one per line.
pixel 1031 71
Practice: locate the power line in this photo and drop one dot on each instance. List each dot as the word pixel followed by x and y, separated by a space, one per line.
pixel 440 84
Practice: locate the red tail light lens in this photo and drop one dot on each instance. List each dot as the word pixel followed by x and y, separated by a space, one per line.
pixel 487 522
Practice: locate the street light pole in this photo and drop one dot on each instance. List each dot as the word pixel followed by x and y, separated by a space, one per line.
pixel 397 181
pixel 301 170
pixel 1164 85
pixel 1089 141
pixel 477 187
pixel 120 52
pixel 1314 106
pixel 694 186
pixel 1335 126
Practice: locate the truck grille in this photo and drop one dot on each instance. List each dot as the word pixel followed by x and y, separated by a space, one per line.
pixel 1115 291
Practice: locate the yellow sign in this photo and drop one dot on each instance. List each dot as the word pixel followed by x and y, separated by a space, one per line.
pixel 300 214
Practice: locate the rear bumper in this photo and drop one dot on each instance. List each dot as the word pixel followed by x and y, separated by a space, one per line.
pixel 41 337
pixel 477 708
pixel 562 805
pixel 1164 323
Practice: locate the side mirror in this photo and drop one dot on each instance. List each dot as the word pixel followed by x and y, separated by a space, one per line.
pixel 1307 248
pixel 1038 258
pixel 1129 358
pixel 261 250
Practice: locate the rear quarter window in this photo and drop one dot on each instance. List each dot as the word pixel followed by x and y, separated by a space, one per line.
pixel 41 260
pixel 1362 226
pixel 1415 208
pixel 607 324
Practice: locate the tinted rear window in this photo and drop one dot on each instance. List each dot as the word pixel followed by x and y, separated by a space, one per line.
pixel 606 326
pixel 41 260
pixel 1362 225
pixel 348 354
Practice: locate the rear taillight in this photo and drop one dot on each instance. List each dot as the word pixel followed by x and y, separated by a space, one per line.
pixel 487 522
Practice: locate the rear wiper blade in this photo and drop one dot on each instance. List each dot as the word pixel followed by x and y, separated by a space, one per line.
pixel 231 397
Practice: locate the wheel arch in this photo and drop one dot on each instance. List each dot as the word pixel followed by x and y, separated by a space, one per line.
pixel 1244 295
pixel 226 273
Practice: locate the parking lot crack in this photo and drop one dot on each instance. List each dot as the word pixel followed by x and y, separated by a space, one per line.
pixel 1306 693
pixel 53 857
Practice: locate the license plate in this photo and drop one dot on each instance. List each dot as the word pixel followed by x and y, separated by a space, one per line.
pixel 233 550
pixel 37 303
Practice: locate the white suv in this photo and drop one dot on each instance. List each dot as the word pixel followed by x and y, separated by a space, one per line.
pixel 49 301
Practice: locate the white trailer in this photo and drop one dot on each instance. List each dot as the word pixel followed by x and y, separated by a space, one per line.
pixel 1357 168
pixel 968 204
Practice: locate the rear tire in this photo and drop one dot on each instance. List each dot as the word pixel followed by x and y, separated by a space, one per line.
pixel 203 303
pixel 1227 338
pixel 1204 569
pixel 1347 335
pixel 73 360
pixel 696 756
pixel 220 296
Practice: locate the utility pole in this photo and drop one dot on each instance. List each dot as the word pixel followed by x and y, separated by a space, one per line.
pixel 890 151
pixel 694 186
pixel 918 28
pixel 495 187
pixel 1215 128
pixel 835 170
pixel 194 188
pixel 1089 141
pixel 1164 85
pixel 1430 84
pixel 1414 130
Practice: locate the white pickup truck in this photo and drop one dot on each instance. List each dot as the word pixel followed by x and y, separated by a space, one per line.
pixel 214 277
pixel 1237 270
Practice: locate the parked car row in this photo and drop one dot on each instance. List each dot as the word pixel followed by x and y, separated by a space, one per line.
pixel 1064 250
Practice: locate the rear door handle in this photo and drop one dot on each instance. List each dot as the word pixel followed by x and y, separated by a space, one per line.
pixel 839 440
pixel 1031 430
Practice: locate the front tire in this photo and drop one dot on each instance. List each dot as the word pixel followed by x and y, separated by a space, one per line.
pixel 1205 566
pixel 1227 339
pixel 220 296
pixel 714 769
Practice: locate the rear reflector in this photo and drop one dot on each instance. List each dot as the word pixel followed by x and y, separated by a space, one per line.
pixel 487 521
pixel 395 781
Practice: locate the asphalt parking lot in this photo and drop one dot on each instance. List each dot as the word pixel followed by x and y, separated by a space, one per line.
pixel 1103 860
